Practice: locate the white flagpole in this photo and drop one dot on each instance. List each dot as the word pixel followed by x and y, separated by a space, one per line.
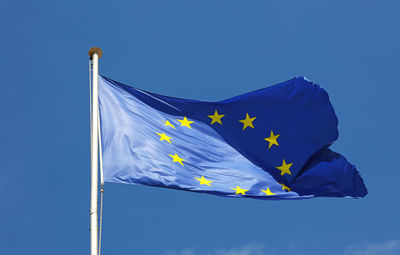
pixel 94 53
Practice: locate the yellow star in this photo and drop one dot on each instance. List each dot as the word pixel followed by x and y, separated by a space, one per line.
pixel 185 122
pixel 268 192
pixel 176 158
pixel 240 191
pixel 164 137
pixel 167 123
pixel 272 139
pixel 216 117
pixel 247 122
pixel 203 180
pixel 285 168
pixel 284 187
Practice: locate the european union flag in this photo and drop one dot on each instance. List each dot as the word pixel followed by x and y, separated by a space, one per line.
pixel 272 143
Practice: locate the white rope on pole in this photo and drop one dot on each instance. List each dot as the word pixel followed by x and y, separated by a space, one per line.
pixel 101 152
pixel 101 184
pixel 101 215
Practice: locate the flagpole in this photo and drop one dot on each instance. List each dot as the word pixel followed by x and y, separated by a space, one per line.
pixel 94 53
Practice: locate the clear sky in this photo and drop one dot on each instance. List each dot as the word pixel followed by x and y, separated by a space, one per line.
pixel 210 50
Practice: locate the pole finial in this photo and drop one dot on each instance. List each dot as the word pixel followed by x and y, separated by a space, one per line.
pixel 95 50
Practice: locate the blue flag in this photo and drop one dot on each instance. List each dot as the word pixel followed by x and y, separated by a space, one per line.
pixel 272 143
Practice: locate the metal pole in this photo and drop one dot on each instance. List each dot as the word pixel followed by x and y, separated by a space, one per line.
pixel 94 53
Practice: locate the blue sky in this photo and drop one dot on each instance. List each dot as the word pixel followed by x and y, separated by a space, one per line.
pixel 207 50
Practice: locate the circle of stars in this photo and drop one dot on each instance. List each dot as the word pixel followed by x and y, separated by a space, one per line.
pixel 247 122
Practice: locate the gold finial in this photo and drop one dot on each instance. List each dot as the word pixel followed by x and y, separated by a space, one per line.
pixel 95 50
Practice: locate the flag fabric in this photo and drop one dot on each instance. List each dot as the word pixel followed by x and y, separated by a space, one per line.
pixel 272 143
